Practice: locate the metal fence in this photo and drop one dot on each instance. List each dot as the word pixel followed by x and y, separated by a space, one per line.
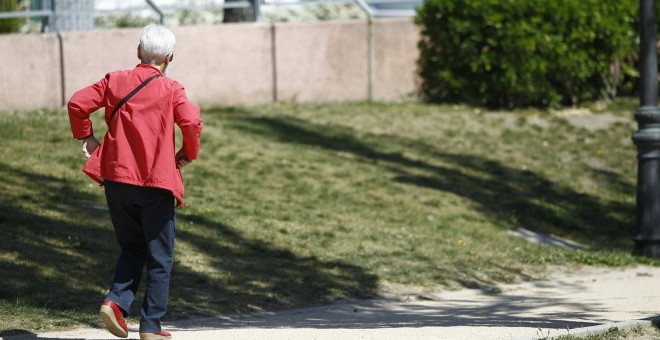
pixel 71 15
pixel 54 15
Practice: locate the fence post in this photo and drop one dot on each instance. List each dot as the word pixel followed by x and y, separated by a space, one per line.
pixel 256 8
pixel 371 58
pixel 157 10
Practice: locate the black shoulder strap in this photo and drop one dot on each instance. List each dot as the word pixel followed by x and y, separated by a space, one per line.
pixel 128 96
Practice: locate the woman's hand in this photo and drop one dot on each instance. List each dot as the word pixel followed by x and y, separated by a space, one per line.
pixel 181 159
pixel 89 145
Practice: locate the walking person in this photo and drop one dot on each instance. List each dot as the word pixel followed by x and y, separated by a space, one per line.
pixel 138 166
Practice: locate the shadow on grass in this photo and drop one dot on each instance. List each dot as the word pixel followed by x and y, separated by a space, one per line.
pixel 515 198
pixel 250 275
pixel 57 258
pixel 52 254
pixel 655 323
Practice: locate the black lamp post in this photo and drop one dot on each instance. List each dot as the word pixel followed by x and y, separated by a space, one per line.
pixel 647 138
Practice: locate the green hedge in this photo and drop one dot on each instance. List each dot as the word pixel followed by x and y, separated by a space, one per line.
pixel 508 53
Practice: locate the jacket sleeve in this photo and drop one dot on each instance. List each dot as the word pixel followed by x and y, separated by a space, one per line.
pixel 82 104
pixel 187 117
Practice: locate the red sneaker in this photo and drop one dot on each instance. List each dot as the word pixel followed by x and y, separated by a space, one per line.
pixel 162 335
pixel 113 318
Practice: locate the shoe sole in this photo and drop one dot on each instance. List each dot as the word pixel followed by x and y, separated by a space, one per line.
pixel 111 324
pixel 153 336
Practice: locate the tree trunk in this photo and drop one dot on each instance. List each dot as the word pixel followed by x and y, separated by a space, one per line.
pixel 238 14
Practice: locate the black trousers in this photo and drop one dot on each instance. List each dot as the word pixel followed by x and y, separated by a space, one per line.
pixel 144 223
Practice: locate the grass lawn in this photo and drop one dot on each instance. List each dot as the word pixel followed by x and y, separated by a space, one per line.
pixel 296 205
pixel 636 332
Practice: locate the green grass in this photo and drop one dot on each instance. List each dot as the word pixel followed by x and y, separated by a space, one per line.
pixel 296 205
pixel 636 332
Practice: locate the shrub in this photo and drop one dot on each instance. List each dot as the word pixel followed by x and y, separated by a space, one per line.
pixel 11 25
pixel 508 53
pixel 123 20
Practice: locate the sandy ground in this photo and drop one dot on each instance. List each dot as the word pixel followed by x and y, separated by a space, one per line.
pixel 586 300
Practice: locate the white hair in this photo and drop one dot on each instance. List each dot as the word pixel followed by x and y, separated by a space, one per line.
pixel 157 43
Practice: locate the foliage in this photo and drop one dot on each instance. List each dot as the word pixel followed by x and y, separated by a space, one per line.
pixel 185 17
pixel 508 53
pixel 629 81
pixel 11 25
pixel 124 20
pixel 313 12
pixel 640 331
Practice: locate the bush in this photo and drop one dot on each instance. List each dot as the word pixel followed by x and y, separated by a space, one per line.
pixel 124 20
pixel 11 25
pixel 508 53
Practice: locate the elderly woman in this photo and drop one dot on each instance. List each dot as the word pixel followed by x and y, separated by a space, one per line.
pixel 138 166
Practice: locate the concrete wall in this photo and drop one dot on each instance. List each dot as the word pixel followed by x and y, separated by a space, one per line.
pixel 30 74
pixel 321 61
pixel 395 44
pixel 223 64
pixel 89 55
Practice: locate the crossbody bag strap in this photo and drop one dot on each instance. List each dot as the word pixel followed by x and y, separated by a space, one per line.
pixel 128 96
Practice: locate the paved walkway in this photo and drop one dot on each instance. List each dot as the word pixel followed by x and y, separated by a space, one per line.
pixel 533 310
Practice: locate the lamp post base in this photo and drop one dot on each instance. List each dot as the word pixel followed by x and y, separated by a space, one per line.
pixel 647 140
pixel 650 248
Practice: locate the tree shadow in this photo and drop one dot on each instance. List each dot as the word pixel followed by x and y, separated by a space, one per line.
pixel 59 250
pixel 19 334
pixel 525 199
pixel 513 197
pixel 58 254
pixel 50 245
pixel 655 323
pixel 509 310
pixel 243 275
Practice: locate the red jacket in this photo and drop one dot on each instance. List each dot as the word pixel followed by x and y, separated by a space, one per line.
pixel 139 147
